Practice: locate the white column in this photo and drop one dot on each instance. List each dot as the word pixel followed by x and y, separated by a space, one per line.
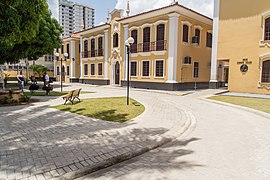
pixel 215 42
pixel 81 64
pixel 72 56
pixel 106 55
pixel 173 46
pixel 125 56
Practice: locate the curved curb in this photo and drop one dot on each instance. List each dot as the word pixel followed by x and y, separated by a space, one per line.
pixel 160 141
pixel 257 112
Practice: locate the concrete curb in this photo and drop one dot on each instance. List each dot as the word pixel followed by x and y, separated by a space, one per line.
pixel 160 141
pixel 260 113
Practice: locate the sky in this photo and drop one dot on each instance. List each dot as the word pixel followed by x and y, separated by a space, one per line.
pixel 136 6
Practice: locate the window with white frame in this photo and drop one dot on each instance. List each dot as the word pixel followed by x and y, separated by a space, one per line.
pixel 146 68
pixel 266 72
pixel 196 70
pixel 100 69
pixel 159 68
pixel 133 68
pixel 92 69
pixel 185 33
pixel 85 69
pixel 198 35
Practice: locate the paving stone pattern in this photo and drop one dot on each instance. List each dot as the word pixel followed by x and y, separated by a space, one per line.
pixel 39 142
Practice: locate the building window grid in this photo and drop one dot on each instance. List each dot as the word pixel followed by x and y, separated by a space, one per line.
pixel 196 70
pixel 92 70
pixel 160 37
pixel 133 68
pixel 266 72
pixel 85 69
pixel 146 39
pixel 159 72
pixel 185 33
pixel 100 69
pixel 146 68
pixel 209 40
pixel 267 29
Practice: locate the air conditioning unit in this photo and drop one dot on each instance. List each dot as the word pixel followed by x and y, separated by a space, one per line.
pixel 187 60
pixel 195 40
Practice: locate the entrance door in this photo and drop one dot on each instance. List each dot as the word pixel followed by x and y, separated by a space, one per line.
pixel 226 75
pixel 63 73
pixel 117 73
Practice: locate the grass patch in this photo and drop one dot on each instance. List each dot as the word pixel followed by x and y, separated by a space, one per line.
pixel 109 109
pixel 254 103
pixel 53 93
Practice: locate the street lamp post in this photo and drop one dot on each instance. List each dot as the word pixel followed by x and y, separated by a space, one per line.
pixel 128 43
pixel 61 68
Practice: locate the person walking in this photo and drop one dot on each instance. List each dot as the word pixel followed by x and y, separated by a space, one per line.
pixel 47 79
pixel 21 79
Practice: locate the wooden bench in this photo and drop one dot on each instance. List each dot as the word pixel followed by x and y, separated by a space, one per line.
pixel 72 95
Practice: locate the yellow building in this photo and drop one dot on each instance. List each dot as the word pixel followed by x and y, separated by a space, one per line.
pixel 241 46
pixel 171 50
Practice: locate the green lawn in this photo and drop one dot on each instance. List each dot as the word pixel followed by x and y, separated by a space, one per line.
pixel 254 103
pixel 109 109
pixel 53 93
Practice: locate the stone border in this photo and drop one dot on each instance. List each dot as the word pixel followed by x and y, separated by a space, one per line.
pixel 160 141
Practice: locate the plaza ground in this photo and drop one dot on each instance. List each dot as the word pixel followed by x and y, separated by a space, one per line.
pixel 212 141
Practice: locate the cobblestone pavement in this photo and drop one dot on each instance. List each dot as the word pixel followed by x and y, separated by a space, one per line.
pixel 39 142
pixel 225 143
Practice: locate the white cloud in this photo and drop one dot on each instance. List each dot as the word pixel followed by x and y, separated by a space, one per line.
pixel 138 6
pixel 54 7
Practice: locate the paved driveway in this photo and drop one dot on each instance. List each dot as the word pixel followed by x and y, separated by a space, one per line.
pixel 224 143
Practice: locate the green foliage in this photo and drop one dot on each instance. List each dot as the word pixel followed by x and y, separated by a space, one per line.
pixel 27 30
pixel 39 69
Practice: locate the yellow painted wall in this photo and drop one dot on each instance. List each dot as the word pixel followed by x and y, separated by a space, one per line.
pixel 240 31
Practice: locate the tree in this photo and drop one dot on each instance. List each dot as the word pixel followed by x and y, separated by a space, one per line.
pixel 39 69
pixel 39 33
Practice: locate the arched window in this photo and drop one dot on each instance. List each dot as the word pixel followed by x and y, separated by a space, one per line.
pixel 85 48
pixel 267 29
pixel 146 39
pixel 115 40
pixel 160 45
pixel 93 43
pixel 100 46
pixel 185 33
pixel 134 46
pixel 198 35
pixel 266 72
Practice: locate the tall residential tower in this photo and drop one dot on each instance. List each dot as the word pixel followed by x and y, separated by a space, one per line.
pixel 72 16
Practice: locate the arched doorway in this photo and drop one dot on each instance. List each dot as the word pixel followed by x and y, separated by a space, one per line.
pixel 117 73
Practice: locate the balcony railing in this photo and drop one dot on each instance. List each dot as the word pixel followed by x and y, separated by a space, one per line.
pixel 94 53
pixel 149 46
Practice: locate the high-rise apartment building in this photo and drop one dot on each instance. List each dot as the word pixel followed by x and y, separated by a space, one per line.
pixel 72 16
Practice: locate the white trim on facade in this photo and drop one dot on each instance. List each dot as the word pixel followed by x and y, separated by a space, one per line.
pixel 262 41
pixel 102 69
pixel 182 32
pixel 91 69
pixel 137 68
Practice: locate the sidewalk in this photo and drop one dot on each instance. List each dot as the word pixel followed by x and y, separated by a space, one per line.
pixel 264 96
pixel 41 142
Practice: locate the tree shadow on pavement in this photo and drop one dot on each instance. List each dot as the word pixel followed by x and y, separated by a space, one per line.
pixel 42 140
pixel 157 163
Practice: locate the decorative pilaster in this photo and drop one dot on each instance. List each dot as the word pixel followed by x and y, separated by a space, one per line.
pixel 72 56
pixel 126 60
pixel 214 81
pixel 173 44
pixel 54 66
pixel 106 55
pixel 81 64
